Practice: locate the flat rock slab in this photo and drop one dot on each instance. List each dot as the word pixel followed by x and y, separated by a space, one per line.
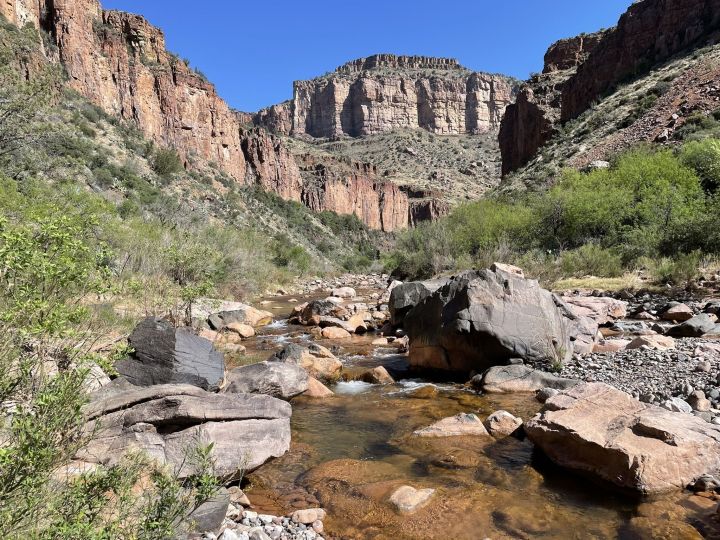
pixel 454 426
pixel 599 308
pixel 604 432
pixel 520 378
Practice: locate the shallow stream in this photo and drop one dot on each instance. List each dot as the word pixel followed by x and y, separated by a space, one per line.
pixel 351 451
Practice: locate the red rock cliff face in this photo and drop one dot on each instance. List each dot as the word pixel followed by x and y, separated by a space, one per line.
pixel 580 70
pixel 119 62
pixel 384 92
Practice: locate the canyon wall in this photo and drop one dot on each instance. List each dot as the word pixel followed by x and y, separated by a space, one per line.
pixel 385 92
pixel 119 62
pixel 582 69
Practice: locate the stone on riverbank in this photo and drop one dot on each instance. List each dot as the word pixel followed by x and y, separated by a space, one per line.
pixel 333 332
pixel 454 426
pixel 481 319
pixel 378 375
pixel 317 390
pixel 280 380
pixel 166 421
pixel 697 326
pixel 598 308
pixel 601 431
pixel 677 312
pixel 164 354
pixel 406 296
pixel 653 341
pixel 519 378
pixel 220 313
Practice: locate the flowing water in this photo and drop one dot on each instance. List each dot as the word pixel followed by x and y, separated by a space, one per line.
pixel 351 451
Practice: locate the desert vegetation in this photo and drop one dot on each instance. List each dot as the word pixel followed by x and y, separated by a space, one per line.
pixel 651 209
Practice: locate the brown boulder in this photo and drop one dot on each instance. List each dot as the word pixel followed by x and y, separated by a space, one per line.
pixel 315 359
pixel 600 309
pixel 601 431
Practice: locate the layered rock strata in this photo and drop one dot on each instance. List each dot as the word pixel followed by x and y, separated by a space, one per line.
pixel 385 92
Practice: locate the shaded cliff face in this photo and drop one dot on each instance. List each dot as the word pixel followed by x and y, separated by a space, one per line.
pixel 581 70
pixel 350 187
pixel 386 92
pixel 119 62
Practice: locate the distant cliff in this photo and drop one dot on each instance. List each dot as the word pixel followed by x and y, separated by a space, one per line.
pixel 385 92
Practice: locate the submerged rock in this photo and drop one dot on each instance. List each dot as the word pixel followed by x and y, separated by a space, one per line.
pixel 407 499
pixel 601 431
pixel 458 425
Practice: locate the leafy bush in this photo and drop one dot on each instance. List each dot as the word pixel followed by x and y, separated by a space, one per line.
pixel 704 157
pixel 592 260
pixel 166 162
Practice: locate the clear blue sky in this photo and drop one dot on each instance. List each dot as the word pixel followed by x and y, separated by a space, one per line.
pixel 254 49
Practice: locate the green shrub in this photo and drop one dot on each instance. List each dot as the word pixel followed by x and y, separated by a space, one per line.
pixel 166 162
pixel 590 260
pixel 704 157
pixel 679 271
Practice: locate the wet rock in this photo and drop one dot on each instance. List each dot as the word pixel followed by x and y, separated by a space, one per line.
pixel 165 354
pixel 318 361
pixel 458 425
pixel 245 331
pixel 281 380
pixel 310 314
pixel 604 432
pixel 378 375
pixel 424 392
pixel 642 527
pixel 308 516
pixel 516 378
pixel 333 332
pixel 407 499
pixel 502 424
pixel 481 319
pixel 317 390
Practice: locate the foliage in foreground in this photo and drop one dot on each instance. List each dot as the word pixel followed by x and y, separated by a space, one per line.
pixel 52 265
pixel 653 209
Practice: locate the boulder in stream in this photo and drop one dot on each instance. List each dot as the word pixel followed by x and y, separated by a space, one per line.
pixel 603 432
pixel 318 361
pixel 277 379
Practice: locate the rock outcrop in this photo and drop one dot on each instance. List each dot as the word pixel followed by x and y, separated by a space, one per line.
pixel 119 62
pixel 165 354
pixel 580 70
pixel 483 319
pixel 604 432
pixel 167 421
pixel 385 92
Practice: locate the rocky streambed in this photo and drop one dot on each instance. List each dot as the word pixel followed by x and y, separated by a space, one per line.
pixel 476 407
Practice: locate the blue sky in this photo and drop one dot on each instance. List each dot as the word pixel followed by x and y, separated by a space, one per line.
pixel 254 49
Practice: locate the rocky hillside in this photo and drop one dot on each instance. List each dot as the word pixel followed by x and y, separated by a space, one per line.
pixel 385 92
pixel 648 76
pixel 119 62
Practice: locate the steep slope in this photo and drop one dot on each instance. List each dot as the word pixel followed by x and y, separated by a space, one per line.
pixel 612 66
pixel 119 62
pixel 427 124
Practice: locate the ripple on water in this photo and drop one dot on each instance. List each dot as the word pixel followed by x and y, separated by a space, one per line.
pixel 351 388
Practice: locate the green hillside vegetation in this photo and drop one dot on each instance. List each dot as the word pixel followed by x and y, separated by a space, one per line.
pixel 652 209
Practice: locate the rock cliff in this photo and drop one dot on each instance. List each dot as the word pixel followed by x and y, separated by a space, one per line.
pixel 385 92
pixel 581 70
pixel 119 62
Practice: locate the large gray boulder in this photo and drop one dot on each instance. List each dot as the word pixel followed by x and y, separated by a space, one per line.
pixel 406 296
pixel 482 319
pixel 165 354
pixel 697 326
pixel 603 432
pixel 167 421
pixel 277 379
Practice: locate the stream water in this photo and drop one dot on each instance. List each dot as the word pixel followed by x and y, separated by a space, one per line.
pixel 351 451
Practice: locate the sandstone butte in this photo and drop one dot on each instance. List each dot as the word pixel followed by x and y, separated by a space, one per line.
pixel 119 62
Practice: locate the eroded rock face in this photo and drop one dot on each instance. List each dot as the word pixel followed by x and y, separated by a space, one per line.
pixel 579 70
pixel 166 421
pixel 482 319
pixel 385 92
pixel 165 354
pixel 604 432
